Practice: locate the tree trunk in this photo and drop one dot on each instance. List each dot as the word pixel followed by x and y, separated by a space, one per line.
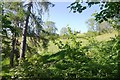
pixel 23 43
pixel 12 53
pixel 118 54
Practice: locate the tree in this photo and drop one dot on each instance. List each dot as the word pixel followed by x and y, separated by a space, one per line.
pixel 109 10
pixel 50 27
pixel 95 26
pixel 37 19
pixel 23 43
pixel 64 31
pixel 104 27
pixel 22 17
pixel 10 28
pixel 91 24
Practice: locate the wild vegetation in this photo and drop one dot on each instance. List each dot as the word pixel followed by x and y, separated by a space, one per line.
pixel 31 48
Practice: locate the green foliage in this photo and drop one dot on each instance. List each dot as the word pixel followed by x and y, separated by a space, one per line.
pixel 64 31
pixel 94 60
pixel 50 27
pixel 6 26
pixel 57 64
pixel 96 27
pixel 91 34
pixel 108 9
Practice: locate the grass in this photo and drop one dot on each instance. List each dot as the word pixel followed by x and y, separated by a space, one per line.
pixel 52 48
pixel 106 36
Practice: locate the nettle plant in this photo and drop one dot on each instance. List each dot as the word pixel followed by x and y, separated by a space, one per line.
pixel 70 42
pixel 96 59
pixel 74 57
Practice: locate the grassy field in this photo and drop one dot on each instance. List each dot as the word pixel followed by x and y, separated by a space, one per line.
pixel 52 48
pixel 106 36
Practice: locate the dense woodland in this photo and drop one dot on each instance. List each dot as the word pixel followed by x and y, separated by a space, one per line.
pixel 32 50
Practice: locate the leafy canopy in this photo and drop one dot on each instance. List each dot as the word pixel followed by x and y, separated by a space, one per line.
pixel 108 9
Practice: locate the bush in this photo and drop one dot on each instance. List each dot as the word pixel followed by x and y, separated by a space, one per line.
pixel 94 60
pixel 91 33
